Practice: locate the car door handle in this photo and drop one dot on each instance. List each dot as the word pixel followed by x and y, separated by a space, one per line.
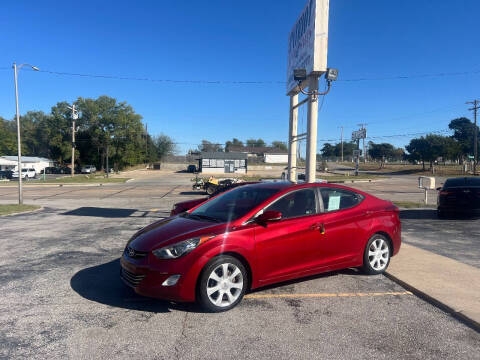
pixel 318 226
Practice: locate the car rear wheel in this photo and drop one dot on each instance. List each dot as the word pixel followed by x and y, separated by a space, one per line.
pixel 222 284
pixel 377 255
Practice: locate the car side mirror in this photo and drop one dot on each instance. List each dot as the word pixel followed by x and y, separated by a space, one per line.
pixel 439 188
pixel 268 216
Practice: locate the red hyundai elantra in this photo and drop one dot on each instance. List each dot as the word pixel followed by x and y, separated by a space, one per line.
pixel 260 234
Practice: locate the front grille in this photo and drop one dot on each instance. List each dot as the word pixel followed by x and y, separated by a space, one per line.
pixel 130 278
pixel 135 254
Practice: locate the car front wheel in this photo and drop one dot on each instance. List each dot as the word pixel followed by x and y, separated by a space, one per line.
pixel 222 284
pixel 377 255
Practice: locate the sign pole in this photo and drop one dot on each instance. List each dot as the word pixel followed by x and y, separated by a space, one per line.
pixel 292 139
pixel 311 165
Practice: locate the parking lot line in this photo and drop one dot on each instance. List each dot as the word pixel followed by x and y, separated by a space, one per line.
pixel 323 295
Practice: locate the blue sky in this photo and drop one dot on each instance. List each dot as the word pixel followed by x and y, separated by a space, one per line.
pixel 245 41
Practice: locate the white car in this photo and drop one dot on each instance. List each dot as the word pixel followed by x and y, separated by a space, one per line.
pixel 88 169
pixel 26 174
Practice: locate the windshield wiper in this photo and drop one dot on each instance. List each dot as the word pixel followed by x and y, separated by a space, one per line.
pixel 204 217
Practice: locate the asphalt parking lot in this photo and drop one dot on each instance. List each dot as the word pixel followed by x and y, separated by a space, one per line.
pixel 62 297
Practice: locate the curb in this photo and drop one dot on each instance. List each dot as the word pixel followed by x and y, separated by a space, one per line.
pixel 23 212
pixel 471 323
pixel 62 185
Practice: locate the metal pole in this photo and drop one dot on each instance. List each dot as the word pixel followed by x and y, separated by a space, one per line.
pixel 341 140
pixel 475 138
pixel 108 170
pixel 475 134
pixel 312 118
pixel 73 140
pixel 19 142
pixel 357 158
pixel 292 139
pixel 426 196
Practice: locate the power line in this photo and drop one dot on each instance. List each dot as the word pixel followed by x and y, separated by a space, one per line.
pixel 247 82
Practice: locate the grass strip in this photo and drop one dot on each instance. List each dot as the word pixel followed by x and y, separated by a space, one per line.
pixel 7 209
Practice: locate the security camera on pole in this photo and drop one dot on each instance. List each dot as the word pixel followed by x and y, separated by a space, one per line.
pixel 307 61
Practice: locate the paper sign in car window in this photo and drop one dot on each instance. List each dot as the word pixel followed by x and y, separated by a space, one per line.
pixel 333 203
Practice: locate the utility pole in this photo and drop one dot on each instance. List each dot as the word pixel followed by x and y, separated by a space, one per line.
pixel 475 133
pixel 341 140
pixel 146 143
pixel 74 117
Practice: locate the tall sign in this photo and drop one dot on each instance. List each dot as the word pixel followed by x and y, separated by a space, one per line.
pixel 308 42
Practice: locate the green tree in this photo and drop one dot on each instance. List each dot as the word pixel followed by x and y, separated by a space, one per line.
pixel 164 146
pixel 463 133
pixel 280 145
pixel 328 150
pixel 381 152
pixel 8 137
pixel 234 142
pixel 256 143
pixel 207 146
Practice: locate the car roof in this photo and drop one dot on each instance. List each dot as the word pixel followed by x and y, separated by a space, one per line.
pixel 287 185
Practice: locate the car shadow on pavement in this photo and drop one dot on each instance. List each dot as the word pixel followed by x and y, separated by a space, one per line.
pixel 101 212
pixel 431 214
pixel 418 214
pixel 199 193
pixel 287 286
pixel 102 284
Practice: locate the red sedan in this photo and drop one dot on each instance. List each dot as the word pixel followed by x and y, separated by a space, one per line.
pixel 260 234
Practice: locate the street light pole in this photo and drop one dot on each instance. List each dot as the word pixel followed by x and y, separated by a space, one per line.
pixel 19 145
pixel 19 142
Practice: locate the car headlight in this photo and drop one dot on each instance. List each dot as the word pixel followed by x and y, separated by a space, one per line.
pixel 181 248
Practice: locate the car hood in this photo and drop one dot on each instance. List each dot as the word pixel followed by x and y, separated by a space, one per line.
pixel 171 230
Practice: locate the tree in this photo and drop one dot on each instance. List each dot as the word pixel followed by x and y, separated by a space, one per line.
pixel 280 145
pixel 234 142
pixel 207 146
pixel 381 152
pixel 164 146
pixel 8 137
pixel 428 148
pixel 463 133
pixel 418 150
pixel 328 150
pixel 256 143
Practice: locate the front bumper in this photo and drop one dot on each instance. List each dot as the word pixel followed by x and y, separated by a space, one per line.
pixel 146 279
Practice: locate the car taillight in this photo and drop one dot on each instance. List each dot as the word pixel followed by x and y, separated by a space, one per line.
pixel 444 192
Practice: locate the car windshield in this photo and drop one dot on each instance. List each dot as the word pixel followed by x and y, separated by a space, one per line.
pixel 24 170
pixel 233 204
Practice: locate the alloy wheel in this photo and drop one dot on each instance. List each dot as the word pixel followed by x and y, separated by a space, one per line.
pixel 224 285
pixel 378 254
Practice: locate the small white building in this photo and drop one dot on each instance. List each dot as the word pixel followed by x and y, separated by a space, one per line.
pixel 223 163
pixel 28 162
pixel 7 164
pixel 275 158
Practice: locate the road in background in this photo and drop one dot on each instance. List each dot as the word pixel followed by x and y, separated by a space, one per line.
pixel 62 296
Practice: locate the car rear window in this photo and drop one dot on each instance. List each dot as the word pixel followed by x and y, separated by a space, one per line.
pixel 339 199
pixel 454 183
pixel 473 181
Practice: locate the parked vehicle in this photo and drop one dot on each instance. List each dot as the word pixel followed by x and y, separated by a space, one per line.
pixel 89 169
pixel 260 234
pixel 459 196
pixel 183 206
pixel 26 174
pixel 5 174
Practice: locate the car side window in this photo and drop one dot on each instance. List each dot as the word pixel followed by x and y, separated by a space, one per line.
pixel 297 203
pixel 338 199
